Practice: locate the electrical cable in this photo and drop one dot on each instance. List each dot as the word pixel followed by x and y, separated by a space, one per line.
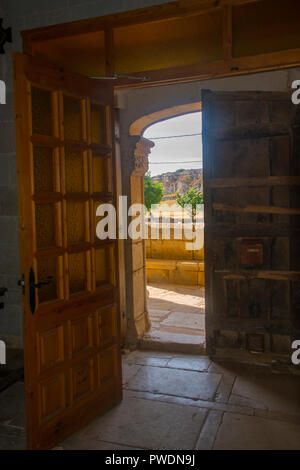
pixel 174 136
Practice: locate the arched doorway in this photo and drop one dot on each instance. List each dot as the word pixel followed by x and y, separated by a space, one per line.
pixel 136 277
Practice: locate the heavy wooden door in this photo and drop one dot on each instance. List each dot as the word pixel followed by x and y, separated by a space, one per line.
pixel 251 188
pixel 65 154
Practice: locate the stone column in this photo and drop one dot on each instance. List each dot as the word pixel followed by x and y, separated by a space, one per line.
pixel 138 322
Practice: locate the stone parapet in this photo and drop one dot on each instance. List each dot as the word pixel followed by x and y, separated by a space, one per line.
pixel 176 272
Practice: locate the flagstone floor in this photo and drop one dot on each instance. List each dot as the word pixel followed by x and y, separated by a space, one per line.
pixel 176 401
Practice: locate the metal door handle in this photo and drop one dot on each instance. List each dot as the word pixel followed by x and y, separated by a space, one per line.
pixel 33 286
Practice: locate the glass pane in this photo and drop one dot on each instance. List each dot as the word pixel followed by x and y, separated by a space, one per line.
pixel 47 272
pixel 76 222
pixel 104 266
pixel 74 169
pixel 72 119
pixel 98 124
pixel 43 170
pixel 101 174
pixel 45 215
pixel 77 272
pixel 41 106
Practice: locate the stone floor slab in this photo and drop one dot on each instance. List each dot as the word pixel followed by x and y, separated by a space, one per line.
pixel 271 392
pixel 152 361
pixel 238 432
pixel 129 371
pixel 148 425
pixel 139 356
pixel 184 383
pixel 12 438
pixel 200 363
pixel 209 430
pixel 76 443
pixel 206 404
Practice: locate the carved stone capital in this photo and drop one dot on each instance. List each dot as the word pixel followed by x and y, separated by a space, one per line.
pixel 141 154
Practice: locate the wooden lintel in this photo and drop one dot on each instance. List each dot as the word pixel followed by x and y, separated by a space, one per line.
pixel 215 69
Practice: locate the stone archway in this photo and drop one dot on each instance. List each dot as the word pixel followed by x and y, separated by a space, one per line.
pixel 136 165
pixel 139 126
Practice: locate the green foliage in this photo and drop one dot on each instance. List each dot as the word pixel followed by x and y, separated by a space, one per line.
pixel 153 192
pixel 191 197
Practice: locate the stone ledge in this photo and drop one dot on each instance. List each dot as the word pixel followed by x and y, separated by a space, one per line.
pixel 172 342
pixel 175 264
pixel 176 271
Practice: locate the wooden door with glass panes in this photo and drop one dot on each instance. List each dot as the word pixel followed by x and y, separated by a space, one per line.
pixel 65 155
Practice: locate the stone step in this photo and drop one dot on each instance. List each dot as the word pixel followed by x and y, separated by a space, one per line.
pixel 180 330
pixel 158 314
pixel 184 323
pixel 172 342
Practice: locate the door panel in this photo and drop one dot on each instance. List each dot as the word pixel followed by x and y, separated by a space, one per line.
pixel 252 208
pixel 64 125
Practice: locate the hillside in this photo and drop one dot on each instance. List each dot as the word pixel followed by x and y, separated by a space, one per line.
pixel 179 181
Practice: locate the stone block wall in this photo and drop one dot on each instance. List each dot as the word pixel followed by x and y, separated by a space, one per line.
pixel 170 262
pixel 175 248
pixel 11 315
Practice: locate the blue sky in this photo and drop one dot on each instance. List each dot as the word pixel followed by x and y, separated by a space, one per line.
pixel 178 149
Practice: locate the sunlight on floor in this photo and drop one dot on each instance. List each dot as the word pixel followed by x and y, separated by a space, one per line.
pixel 177 315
